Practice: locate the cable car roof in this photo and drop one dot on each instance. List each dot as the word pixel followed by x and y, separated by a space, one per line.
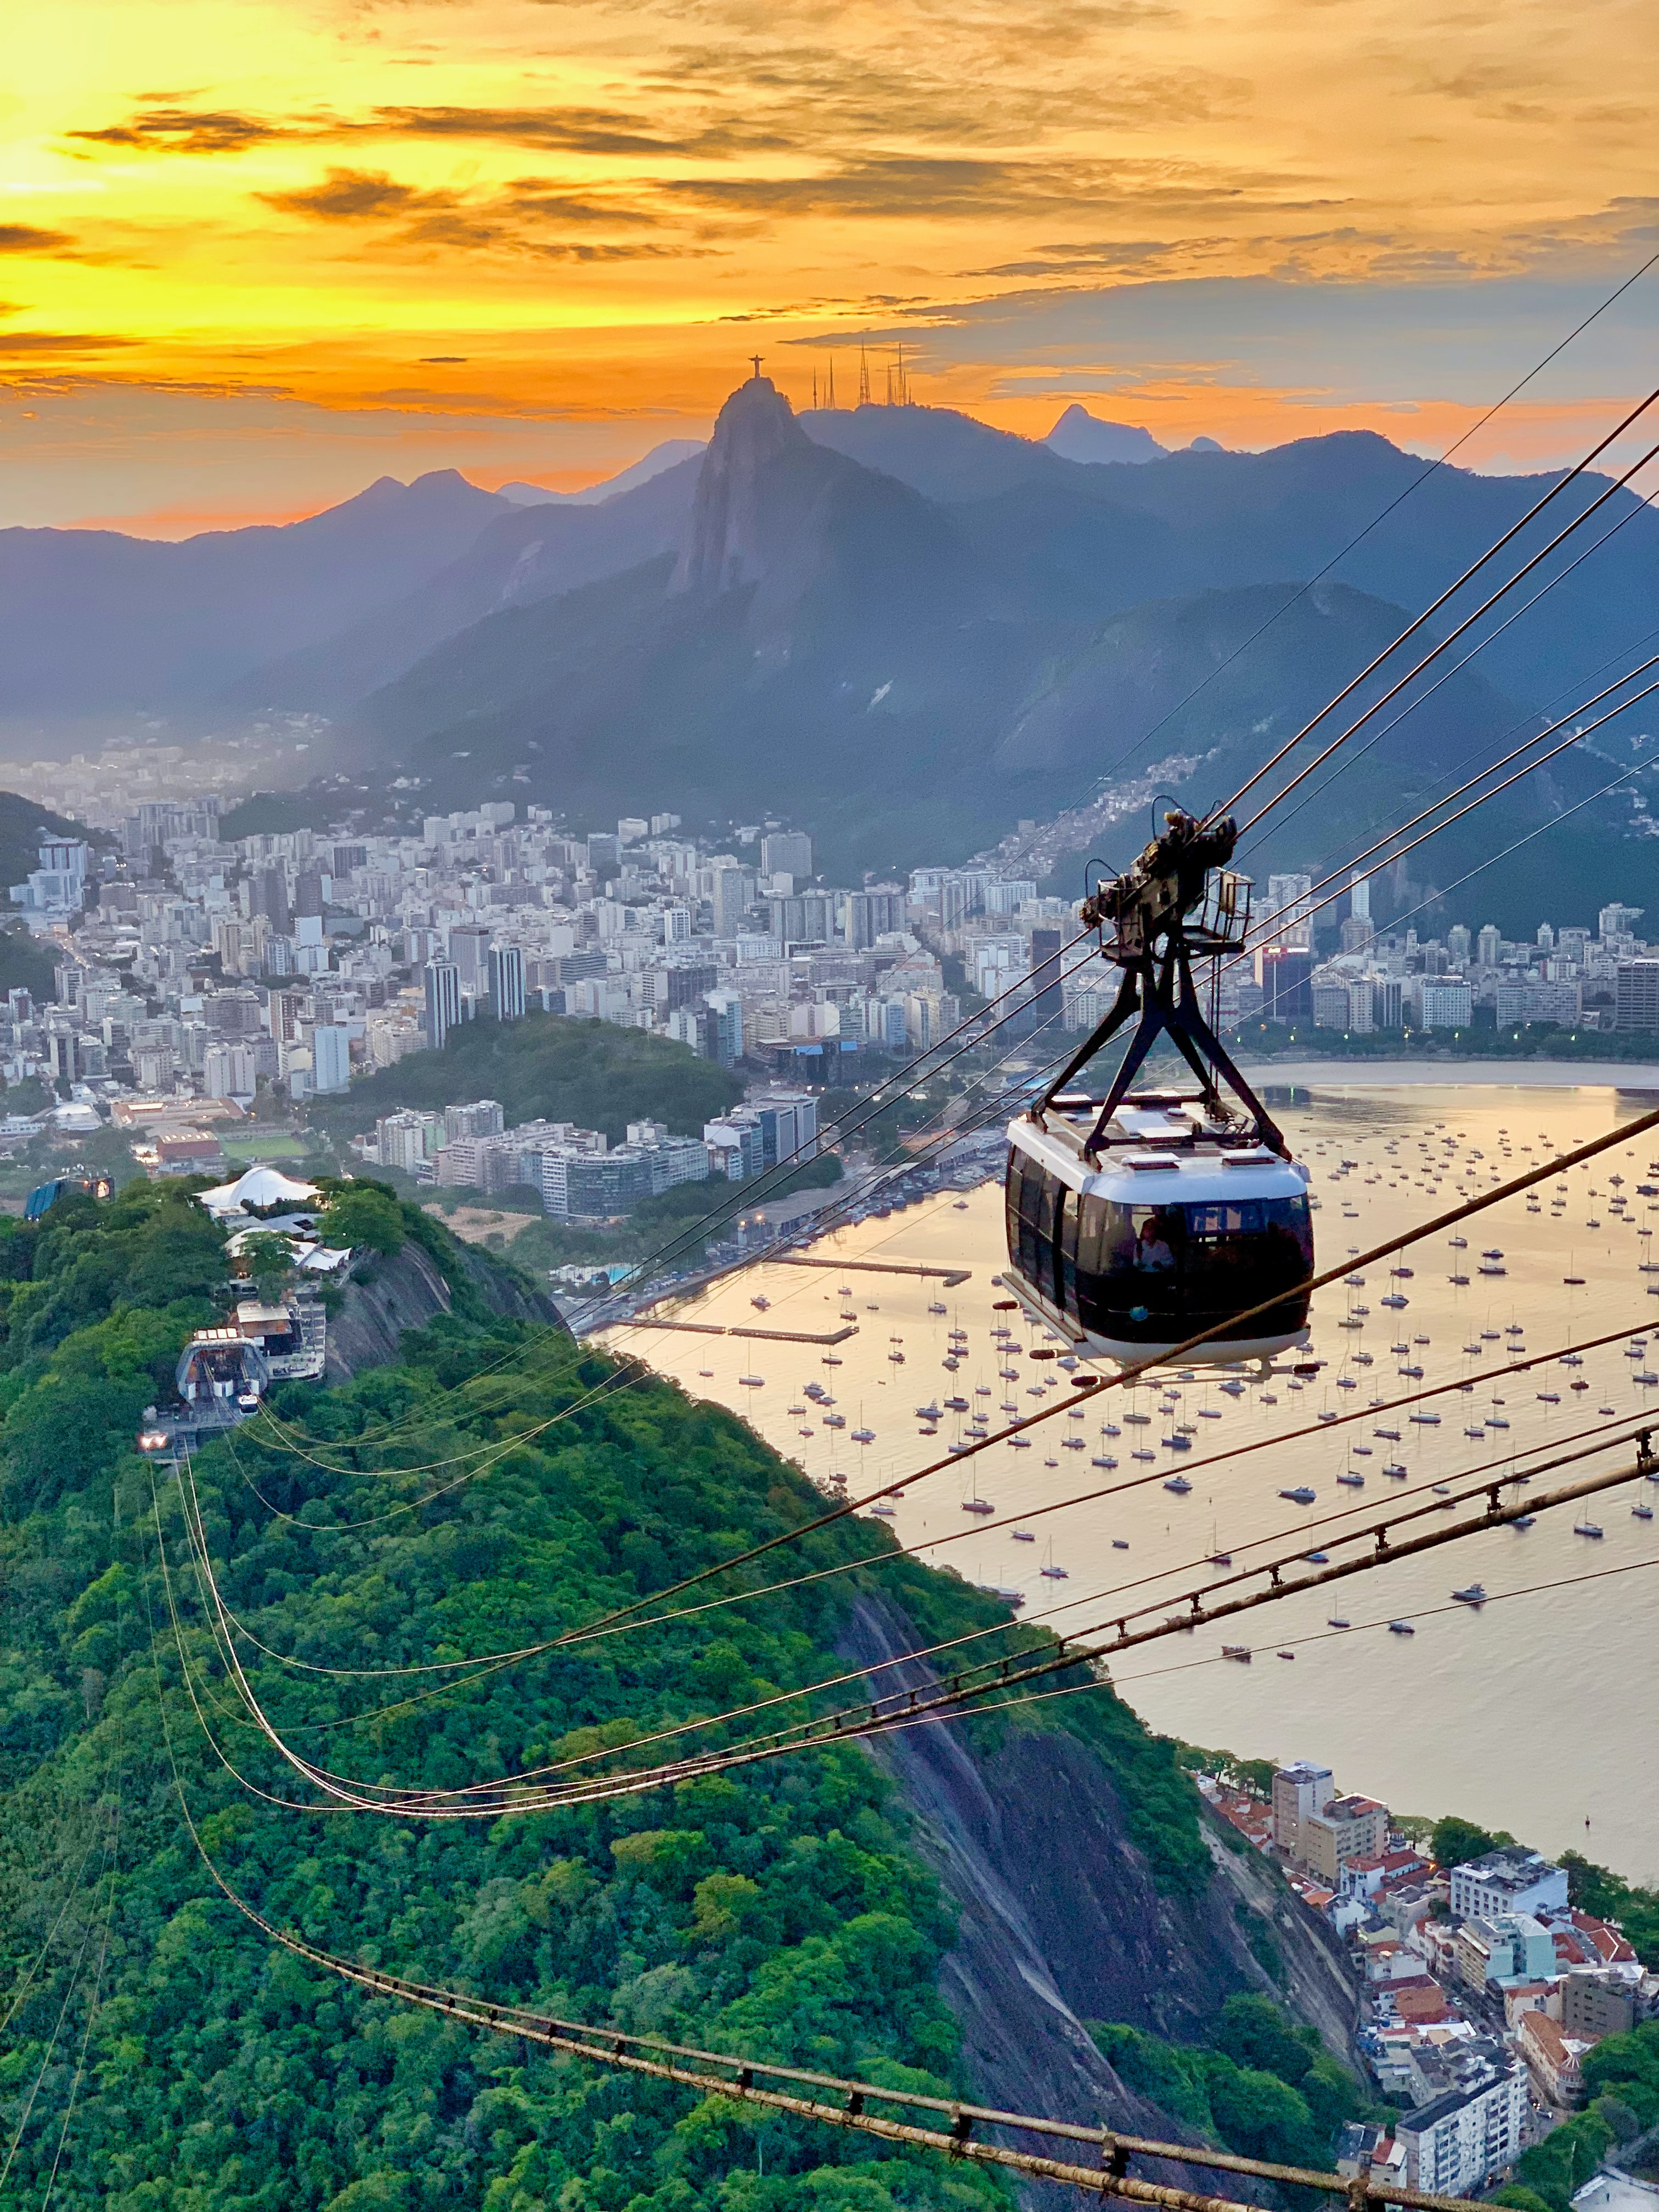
pixel 1193 1170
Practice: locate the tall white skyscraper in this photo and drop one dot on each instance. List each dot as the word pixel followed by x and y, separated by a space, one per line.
pixel 507 982
pixel 331 1058
pixel 443 1000
pixel 1289 912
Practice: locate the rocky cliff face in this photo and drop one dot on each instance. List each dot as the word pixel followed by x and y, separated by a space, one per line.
pixel 389 1295
pixel 1061 1922
pixel 726 548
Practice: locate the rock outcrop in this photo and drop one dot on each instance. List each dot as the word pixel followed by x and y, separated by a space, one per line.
pixel 1060 1923
pixel 385 1296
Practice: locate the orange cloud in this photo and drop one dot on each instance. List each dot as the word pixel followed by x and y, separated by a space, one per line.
pixel 512 212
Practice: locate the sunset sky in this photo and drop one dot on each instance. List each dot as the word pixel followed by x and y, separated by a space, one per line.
pixel 255 252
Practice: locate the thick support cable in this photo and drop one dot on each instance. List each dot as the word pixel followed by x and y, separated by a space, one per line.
pixel 1435 605
pixel 893 1553
pixel 1085 1648
pixel 1132 1372
pixel 1270 924
pixel 1451 639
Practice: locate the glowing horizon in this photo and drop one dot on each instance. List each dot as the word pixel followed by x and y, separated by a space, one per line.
pixel 258 252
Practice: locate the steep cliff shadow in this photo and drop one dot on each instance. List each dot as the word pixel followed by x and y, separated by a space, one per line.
pixel 1060 1920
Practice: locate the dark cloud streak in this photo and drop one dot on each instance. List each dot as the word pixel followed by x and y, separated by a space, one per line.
pixel 25 238
pixel 591 130
pixel 515 221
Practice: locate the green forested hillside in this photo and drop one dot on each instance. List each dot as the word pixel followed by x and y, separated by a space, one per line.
pixel 779 1910
pixel 590 1072
pixel 1263 2085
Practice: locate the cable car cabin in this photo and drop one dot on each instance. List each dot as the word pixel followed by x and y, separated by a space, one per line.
pixel 1180 1225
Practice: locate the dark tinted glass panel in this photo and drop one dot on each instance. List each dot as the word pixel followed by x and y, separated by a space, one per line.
pixel 1070 1208
pixel 1030 1223
pixel 1153 1271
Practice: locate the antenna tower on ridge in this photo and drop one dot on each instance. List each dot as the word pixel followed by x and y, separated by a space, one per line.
pixel 864 380
pixel 900 388
pixel 830 401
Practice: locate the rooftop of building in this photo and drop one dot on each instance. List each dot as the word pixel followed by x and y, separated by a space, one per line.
pixel 1510 1861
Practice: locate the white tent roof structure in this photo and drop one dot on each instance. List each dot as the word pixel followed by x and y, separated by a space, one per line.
pixel 263 1186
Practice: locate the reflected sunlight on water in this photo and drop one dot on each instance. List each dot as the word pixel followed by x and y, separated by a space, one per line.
pixel 1519 1715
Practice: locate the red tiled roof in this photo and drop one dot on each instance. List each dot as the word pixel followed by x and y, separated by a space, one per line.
pixel 1422 2007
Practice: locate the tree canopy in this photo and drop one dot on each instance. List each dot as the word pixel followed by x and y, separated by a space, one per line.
pixel 545 1067
pixel 779 1909
pixel 1264 2087
pixel 1454 1842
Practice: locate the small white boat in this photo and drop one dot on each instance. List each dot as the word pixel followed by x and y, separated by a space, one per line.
pixel 1179 1484
pixel 1473 1593
pixel 1300 1496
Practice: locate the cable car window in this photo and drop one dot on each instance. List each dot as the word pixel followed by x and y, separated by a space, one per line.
pixel 1031 1205
pixel 1046 1191
pixel 1239 1251
pixel 1065 1246
pixel 1146 1270
pixel 1090 1230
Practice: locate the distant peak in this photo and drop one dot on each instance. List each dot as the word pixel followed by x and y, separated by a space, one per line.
pixel 1080 436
